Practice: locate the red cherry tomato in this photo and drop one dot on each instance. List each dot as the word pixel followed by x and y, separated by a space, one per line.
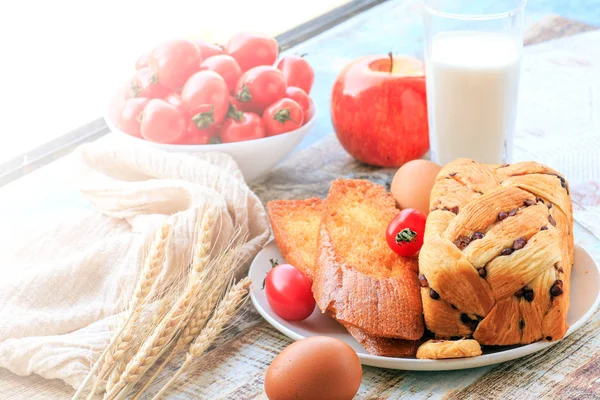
pixel 162 122
pixel 224 65
pixel 145 84
pixel 252 49
pixel 289 293
pixel 129 118
pixel 209 49
pixel 174 62
pixel 283 116
pixel 245 126
pixel 297 72
pixel 259 87
pixel 405 232
pixel 205 97
pixel 300 97
pixel 193 135
pixel 142 61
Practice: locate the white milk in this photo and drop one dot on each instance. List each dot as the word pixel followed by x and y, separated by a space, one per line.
pixel 472 85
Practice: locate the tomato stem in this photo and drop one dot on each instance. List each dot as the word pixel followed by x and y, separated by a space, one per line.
pixel 244 95
pixel 234 113
pixel 204 119
pixel 283 115
pixel 273 262
pixel 406 235
pixel 135 89
pixel 391 62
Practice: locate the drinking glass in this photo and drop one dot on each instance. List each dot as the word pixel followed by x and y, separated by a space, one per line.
pixel 472 59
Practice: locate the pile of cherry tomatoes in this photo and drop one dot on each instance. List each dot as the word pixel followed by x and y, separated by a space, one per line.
pixel 194 92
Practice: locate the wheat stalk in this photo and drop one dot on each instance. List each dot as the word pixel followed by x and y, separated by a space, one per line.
pixel 203 277
pixel 157 343
pixel 200 259
pixel 149 275
pixel 226 309
pixel 228 262
pixel 145 288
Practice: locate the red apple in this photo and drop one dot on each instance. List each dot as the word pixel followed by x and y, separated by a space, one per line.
pixel 379 110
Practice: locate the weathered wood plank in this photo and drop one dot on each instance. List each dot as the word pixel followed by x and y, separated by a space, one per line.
pixel 567 370
pixel 553 27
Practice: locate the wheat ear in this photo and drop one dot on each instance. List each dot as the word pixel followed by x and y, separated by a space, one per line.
pixel 191 330
pixel 148 277
pixel 144 290
pixel 228 262
pixel 120 365
pixel 203 241
pixel 156 344
pixel 163 335
pixel 226 309
pixel 200 258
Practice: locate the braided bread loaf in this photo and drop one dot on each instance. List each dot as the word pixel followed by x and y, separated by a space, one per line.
pixel 498 251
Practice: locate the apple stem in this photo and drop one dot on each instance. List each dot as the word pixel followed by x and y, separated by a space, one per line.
pixel 391 62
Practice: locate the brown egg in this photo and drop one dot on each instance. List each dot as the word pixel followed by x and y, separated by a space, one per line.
pixel 412 184
pixel 318 367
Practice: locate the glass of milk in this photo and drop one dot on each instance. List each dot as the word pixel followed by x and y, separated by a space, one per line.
pixel 472 60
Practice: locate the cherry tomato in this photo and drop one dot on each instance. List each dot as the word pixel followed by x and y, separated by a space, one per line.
pixel 162 122
pixel 248 126
pixel 300 97
pixel 289 293
pixel 226 66
pixel 252 49
pixel 209 49
pixel 259 87
pixel 174 62
pixel 283 116
pixel 193 135
pixel 206 98
pixel 174 98
pixel 145 84
pixel 129 118
pixel 297 72
pixel 405 232
pixel 142 61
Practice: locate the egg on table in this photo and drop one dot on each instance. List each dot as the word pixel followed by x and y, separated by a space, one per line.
pixel 412 184
pixel 318 367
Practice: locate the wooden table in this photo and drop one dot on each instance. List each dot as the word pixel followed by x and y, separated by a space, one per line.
pixel 235 367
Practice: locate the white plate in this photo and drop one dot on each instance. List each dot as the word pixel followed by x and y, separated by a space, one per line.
pixel 585 297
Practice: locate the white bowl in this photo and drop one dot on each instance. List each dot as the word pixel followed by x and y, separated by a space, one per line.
pixel 254 157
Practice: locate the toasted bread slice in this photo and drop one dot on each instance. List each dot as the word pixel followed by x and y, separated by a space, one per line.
pixel 295 226
pixel 387 347
pixel 358 279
